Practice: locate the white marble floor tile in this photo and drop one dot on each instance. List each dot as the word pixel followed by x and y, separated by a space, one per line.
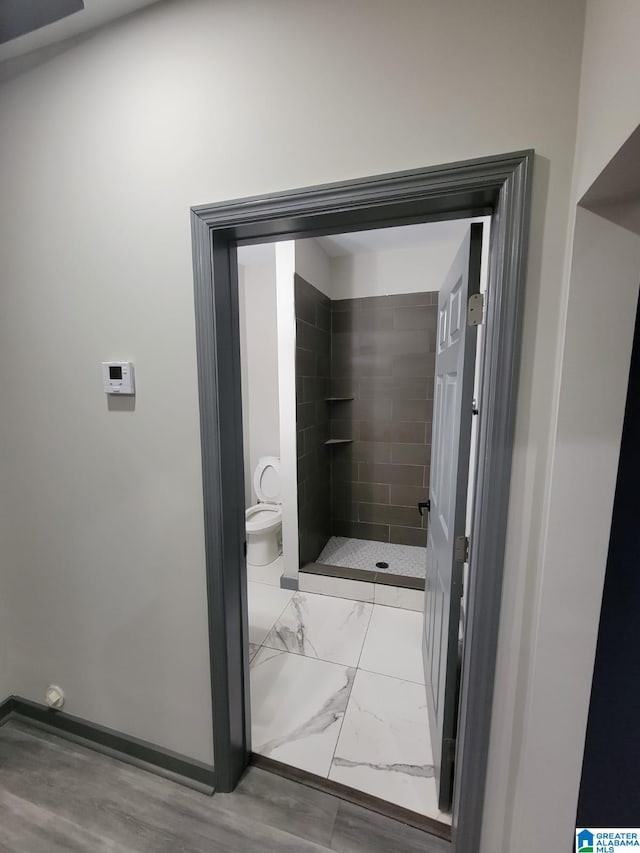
pixel 384 747
pixel 297 706
pixel 340 587
pixel 266 603
pixel 397 596
pixel 393 645
pixel 321 626
pixel 269 574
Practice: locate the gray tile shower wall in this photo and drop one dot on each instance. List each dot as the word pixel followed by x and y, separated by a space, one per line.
pixel 313 352
pixel 382 355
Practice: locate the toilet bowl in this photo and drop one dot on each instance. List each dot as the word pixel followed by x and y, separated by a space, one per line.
pixel 264 519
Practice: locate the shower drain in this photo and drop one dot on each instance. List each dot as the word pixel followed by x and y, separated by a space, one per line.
pixel 382 565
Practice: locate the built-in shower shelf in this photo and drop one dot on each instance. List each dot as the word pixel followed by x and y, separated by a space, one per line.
pixel 339 441
pixel 337 399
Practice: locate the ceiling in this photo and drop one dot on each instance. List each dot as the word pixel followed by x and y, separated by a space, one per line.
pixel 401 237
pixel 375 240
pixel 95 14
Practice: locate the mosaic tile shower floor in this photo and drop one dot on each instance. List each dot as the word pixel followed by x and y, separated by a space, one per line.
pixel 407 560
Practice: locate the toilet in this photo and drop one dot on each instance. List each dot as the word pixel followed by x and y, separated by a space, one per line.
pixel 264 519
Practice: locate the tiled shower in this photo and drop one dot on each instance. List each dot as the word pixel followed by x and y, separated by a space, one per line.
pixel 313 370
pixel 364 381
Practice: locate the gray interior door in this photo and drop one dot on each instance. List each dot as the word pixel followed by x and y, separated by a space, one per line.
pixel 452 414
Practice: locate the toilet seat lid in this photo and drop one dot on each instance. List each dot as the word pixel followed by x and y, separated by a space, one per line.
pixel 266 480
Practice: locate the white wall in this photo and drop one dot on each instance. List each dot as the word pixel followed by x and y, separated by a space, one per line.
pixel 6 646
pixel 259 361
pixel 391 271
pixel 246 445
pixel 285 289
pixel 547 678
pixel 104 150
pixel 6 651
pixel 314 265
pixel 598 339
pixel 609 103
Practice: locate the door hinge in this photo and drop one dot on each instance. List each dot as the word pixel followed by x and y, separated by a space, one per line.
pixel 461 549
pixel 475 309
pixel 448 751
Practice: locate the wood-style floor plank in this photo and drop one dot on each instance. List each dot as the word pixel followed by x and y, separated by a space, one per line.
pixel 358 830
pixel 24 826
pixel 57 796
pixel 126 805
pixel 277 802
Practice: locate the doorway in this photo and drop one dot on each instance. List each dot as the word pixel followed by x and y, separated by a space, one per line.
pixel 496 186
pixel 338 681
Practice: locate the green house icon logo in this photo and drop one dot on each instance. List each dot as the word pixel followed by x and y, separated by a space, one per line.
pixel 585 841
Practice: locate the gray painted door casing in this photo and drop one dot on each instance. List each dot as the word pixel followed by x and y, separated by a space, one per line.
pixel 499 185
pixel 452 414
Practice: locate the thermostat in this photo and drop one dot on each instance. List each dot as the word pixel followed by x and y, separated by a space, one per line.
pixel 117 377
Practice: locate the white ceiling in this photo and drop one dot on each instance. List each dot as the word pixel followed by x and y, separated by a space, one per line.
pixel 375 240
pixel 94 14
pixel 401 237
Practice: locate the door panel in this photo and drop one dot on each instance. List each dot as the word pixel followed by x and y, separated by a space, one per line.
pixel 453 399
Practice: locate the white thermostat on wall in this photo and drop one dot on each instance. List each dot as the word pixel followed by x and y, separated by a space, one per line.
pixel 118 378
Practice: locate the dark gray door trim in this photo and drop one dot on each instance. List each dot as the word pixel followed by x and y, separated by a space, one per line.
pixel 500 186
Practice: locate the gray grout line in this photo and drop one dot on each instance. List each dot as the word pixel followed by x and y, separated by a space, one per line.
pixel 393 677
pixel 344 716
pixel 366 633
pixel 263 644
pixel 308 657
pixel 357 668
pixel 313 657
pixel 260 645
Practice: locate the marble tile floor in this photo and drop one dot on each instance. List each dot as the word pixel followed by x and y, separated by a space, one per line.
pixel 337 689
pixel 408 560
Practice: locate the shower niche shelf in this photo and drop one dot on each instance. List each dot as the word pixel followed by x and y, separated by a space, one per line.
pixel 337 399
pixel 333 441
